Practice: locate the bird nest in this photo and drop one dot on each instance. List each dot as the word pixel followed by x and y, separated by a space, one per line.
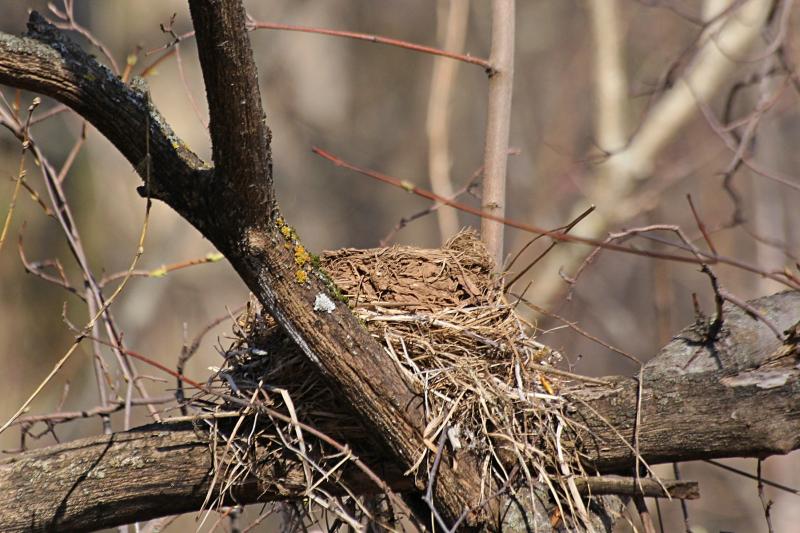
pixel 442 316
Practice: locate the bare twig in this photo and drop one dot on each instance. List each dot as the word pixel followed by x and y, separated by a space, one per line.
pixel 563 229
pixel 785 488
pixel 163 270
pixel 451 21
pixel 498 124
pixel 647 487
pixel 21 172
pixel 644 514
pixel 684 508
pixel 435 207
pixel 37 267
pixel 188 350
pixel 579 330
pixel 99 302
pixel 279 416
pixel 428 497
pixel 765 502
pixel 752 311
pixel 700 225
pixel 53 111
pixel 176 46
pixel 73 153
pixel 487 65
pixel 113 406
pixel 71 24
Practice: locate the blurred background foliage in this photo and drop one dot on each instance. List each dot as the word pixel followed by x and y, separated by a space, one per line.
pixel 367 103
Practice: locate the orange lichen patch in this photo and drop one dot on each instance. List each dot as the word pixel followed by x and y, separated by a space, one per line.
pixel 301 276
pixel 286 231
pixel 301 256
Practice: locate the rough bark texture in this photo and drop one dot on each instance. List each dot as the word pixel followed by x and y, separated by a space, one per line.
pixel 737 395
pixel 136 475
pixel 335 342
pixel 745 405
pixel 233 206
pixel 751 408
pixel 47 62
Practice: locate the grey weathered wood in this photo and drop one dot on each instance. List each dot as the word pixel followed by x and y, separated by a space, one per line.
pixel 137 475
pixel 725 397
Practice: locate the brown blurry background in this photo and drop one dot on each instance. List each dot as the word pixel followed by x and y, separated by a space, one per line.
pixel 368 103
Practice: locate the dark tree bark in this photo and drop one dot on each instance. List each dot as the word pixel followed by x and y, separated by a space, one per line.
pixel 233 206
pixel 700 412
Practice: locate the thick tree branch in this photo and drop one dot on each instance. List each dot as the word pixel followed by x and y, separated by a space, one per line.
pixel 334 341
pixel 753 413
pixel 233 206
pixel 750 407
pixel 240 138
pixel 137 475
pixel 736 395
pixel 46 62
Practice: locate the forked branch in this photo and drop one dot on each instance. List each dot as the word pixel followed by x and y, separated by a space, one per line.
pixel 233 206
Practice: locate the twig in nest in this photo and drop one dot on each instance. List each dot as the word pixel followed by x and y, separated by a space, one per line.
pixel 628 486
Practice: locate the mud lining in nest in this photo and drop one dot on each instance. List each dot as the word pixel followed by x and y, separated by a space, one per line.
pixel 443 318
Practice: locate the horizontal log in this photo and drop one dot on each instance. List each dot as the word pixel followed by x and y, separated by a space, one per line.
pixel 751 408
pixel 137 475
pixel 736 395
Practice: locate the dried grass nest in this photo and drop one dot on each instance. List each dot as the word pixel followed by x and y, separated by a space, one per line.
pixel 442 316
